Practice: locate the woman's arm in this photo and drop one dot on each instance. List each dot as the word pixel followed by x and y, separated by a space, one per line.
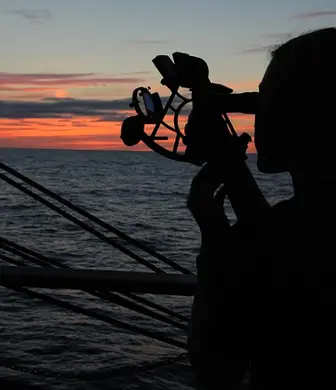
pixel 206 200
pixel 217 325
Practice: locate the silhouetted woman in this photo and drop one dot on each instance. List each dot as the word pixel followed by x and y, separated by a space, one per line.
pixel 265 285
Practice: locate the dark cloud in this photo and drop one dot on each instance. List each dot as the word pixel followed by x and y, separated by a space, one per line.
pixel 26 96
pixel 314 14
pixel 69 108
pixel 278 36
pixel 150 41
pixel 259 49
pixel 38 16
pixel 113 110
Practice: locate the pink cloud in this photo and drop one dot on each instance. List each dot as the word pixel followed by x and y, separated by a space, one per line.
pixel 25 89
pixel 68 79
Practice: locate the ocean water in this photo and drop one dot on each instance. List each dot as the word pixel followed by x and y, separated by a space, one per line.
pixel 141 194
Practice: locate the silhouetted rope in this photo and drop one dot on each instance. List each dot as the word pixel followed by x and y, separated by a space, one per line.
pixel 107 296
pixel 125 371
pixel 111 297
pixel 82 224
pixel 93 218
pixel 42 260
pixel 136 298
pixel 98 316
pixel 9 260
pixel 156 306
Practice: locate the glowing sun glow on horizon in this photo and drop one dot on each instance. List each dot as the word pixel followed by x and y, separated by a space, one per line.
pixel 87 133
pixel 61 93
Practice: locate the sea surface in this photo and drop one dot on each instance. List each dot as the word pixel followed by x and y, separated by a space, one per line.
pixel 143 195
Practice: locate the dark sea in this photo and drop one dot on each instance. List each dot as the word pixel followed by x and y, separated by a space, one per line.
pixel 143 195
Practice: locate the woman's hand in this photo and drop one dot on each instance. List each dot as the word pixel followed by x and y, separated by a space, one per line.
pixel 206 203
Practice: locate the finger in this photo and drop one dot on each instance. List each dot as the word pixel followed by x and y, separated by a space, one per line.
pixel 206 201
pixel 207 180
pixel 220 195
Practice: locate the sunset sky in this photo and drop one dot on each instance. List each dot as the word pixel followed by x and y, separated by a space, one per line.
pixel 68 67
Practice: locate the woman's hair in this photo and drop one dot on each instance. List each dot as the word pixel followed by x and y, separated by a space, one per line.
pixel 314 40
pixel 309 63
pixel 311 56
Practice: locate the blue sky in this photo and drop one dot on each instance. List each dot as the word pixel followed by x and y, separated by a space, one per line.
pixel 118 39
pixel 118 36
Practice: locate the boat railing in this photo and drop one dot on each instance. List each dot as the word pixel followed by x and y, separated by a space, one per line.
pixel 30 270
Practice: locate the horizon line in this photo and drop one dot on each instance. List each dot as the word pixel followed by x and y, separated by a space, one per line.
pixel 85 150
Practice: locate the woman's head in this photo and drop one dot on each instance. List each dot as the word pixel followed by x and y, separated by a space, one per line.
pixel 297 104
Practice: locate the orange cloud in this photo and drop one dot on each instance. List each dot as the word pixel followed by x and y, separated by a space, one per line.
pixel 49 84
pixel 74 133
pixel 243 86
pixel 88 133
pixel 40 111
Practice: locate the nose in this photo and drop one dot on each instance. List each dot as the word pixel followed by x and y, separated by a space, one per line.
pixel 246 102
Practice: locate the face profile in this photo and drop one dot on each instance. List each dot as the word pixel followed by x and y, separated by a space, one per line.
pixel 294 103
pixel 270 123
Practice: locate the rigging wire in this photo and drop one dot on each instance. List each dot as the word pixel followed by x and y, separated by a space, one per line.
pixel 37 258
pixel 81 224
pixel 98 316
pixel 93 218
pixel 156 306
pixel 107 296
